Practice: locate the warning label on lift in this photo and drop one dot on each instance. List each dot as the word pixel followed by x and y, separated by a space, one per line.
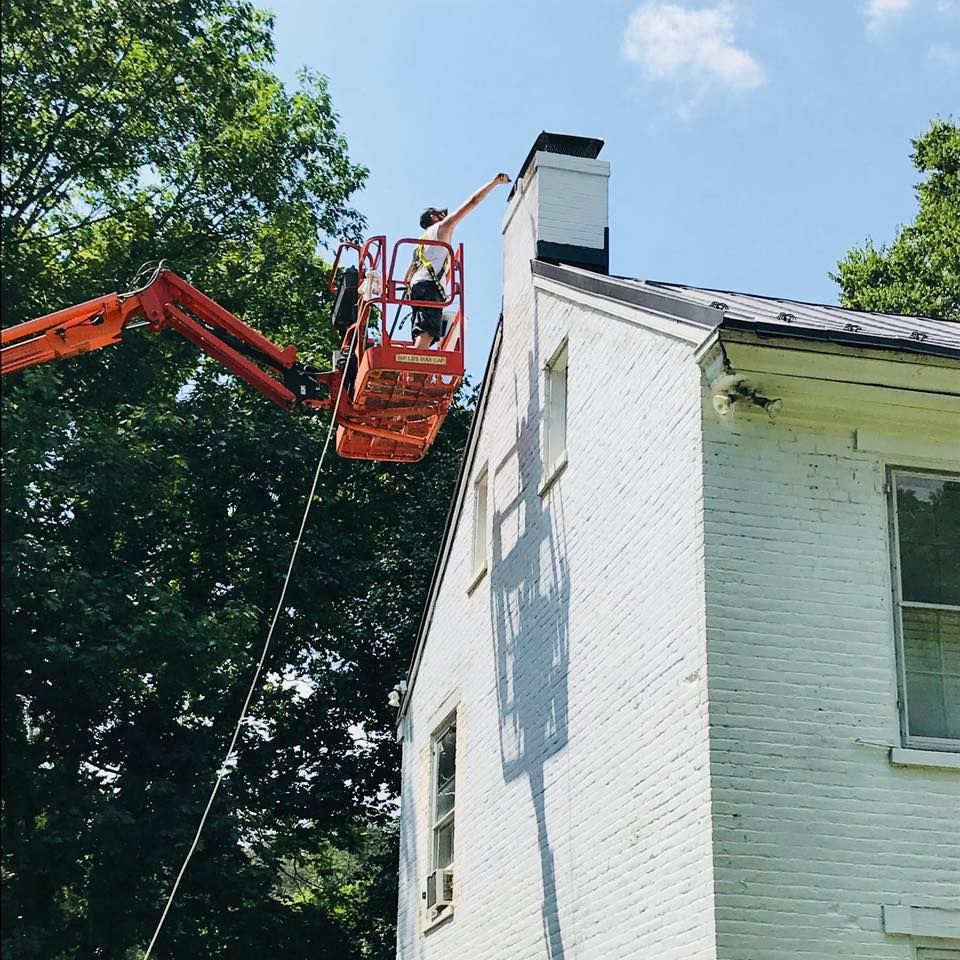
pixel 419 358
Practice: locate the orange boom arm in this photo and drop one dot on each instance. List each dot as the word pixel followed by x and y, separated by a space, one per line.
pixel 169 302
pixel 394 395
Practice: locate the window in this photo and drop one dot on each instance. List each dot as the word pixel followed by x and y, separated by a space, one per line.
pixel 480 496
pixel 927 583
pixel 555 422
pixel 444 793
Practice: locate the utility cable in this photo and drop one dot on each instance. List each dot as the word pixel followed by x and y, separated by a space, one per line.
pixel 222 772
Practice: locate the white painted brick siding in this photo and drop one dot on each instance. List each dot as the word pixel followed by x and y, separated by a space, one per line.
pixel 813 830
pixel 677 679
pixel 573 202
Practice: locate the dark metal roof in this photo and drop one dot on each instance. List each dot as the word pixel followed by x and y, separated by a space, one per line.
pixel 564 143
pixel 771 316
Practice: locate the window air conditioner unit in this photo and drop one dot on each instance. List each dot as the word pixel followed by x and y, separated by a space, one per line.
pixel 439 889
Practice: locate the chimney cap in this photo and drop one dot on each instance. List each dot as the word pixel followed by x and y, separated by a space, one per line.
pixel 564 143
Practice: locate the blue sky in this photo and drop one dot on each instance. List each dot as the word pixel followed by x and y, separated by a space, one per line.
pixel 751 142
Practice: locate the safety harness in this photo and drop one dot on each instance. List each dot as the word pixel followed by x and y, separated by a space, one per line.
pixel 418 254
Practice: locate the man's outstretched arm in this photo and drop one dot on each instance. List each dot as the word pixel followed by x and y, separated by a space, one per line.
pixel 445 230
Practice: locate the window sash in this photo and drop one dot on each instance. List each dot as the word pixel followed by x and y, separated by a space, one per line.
pixel 444 835
pixel 909 739
pixel 481 491
pixel 951 607
pixel 443 826
pixel 555 427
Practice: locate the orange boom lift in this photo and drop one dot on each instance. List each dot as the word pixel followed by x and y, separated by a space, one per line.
pixel 390 398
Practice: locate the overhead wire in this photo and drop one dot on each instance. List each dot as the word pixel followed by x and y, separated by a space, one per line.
pixel 224 769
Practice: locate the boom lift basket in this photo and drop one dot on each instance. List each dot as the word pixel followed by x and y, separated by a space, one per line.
pixel 397 395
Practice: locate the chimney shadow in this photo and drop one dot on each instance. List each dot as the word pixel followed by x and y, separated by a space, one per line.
pixel 530 601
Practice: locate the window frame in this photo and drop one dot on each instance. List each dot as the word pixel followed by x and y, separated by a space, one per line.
pixel 480 543
pixel 436 825
pixel 555 460
pixel 944 744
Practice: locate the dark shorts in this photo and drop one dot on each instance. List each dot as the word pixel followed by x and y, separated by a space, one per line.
pixel 427 319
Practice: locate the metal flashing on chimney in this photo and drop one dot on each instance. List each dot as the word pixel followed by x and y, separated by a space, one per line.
pixel 587 258
pixel 562 143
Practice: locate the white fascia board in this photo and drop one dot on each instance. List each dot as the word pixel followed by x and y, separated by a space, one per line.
pixel 815 360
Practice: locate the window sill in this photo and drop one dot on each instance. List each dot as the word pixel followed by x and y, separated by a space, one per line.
pixel 558 467
pixel 438 919
pixel 477 577
pixel 910 921
pixel 910 757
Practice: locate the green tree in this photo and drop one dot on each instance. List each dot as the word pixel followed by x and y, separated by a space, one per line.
pixel 150 502
pixel 919 273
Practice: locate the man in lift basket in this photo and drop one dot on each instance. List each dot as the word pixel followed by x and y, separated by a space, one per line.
pixel 424 277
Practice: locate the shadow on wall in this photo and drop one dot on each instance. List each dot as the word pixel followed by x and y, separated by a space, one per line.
pixel 530 600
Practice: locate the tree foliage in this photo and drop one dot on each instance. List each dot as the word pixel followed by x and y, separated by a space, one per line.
pixel 919 274
pixel 150 504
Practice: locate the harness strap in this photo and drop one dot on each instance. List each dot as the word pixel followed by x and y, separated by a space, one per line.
pixel 419 253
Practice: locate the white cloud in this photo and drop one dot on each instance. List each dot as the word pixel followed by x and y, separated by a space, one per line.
pixel 671 43
pixel 880 12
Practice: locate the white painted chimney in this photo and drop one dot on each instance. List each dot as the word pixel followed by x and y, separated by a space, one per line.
pixel 558 206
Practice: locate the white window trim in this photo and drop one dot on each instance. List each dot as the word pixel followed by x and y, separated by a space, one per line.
pixel 554 461
pixel 441 728
pixel 552 476
pixel 909 744
pixel 435 917
pixel 910 757
pixel 479 565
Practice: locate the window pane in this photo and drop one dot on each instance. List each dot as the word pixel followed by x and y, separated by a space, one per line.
pixel 951 694
pixel 915 496
pixel 931 658
pixel 445 798
pixel 950 574
pixel 480 523
pixel 919 572
pixel 928 522
pixel 444 846
pixel 921 640
pixel 925 703
pixel 950 640
pixel 556 426
pixel 447 754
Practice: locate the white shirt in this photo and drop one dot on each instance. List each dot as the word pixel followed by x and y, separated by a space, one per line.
pixel 437 256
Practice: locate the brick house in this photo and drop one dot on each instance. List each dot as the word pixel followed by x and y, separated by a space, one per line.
pixel 688 680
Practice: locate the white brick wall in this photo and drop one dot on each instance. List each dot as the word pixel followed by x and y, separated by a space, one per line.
pixel 604 808
pixel 814 829
pixel 579 663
